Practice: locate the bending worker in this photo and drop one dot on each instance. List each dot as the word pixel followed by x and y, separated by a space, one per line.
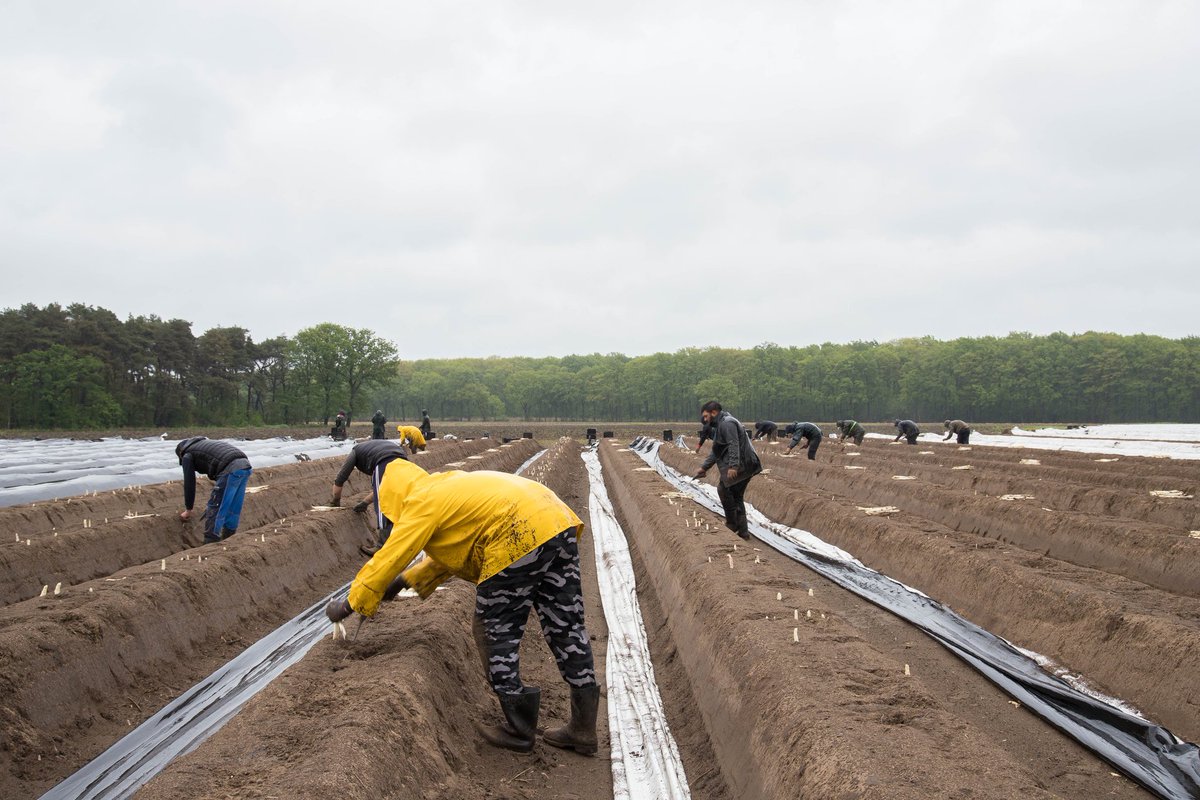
pixel 956 427
pixel 518 542
pixel 229 468
pixel 370 458
pixel 411 436
pixel 735 457
pixel 805 430
pixel 908 429
pixel 851 430
pixel 706 433
pixel 765 429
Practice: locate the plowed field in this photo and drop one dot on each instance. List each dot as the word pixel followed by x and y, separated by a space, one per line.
pixel 776 682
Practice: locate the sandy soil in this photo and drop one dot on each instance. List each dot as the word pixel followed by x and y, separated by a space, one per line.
pixel 770 691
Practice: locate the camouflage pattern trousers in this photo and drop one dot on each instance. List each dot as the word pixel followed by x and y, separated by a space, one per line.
pixel 546 580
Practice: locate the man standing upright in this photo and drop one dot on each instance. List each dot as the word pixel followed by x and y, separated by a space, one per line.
pixel 229 467
pixel 426 425
pixel 735 457
pixel 377 423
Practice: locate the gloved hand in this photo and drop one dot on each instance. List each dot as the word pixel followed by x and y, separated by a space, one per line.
pixel 362 506
pixel 334 501
pixel 395 587
pixel 338 610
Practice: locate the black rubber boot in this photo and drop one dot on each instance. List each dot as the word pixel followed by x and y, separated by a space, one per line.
pixel 521 716
pixel 580 733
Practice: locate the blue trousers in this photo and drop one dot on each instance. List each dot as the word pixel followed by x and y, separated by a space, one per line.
pixel 224 509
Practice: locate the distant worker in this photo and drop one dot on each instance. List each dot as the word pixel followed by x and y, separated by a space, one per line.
pixel 411 437
pixel 765 429
pixel 851 431
pixel 370 458
pixel 908 429
pixel 426 425
pixel 340 427
pixel 229 468
pixel 377 423
pixel 801 431
pixel 735 457
pixel 518 542
pixel 956 427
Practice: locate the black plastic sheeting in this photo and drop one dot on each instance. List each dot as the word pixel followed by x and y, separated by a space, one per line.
pixel 1147 753
pixel 183 724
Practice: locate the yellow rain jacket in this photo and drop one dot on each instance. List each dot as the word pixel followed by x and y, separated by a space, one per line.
pixel 412 434
pixel 470 524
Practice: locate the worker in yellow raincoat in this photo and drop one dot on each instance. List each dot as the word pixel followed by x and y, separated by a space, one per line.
pixel 518 542
pixel 410 435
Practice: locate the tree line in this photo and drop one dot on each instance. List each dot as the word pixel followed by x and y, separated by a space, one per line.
pixel 81 366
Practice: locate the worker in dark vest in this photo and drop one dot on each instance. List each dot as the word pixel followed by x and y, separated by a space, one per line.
pixel 229 468
pixel 370 458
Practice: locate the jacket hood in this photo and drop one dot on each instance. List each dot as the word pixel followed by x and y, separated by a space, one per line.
pixel 186 444
pixel 400 478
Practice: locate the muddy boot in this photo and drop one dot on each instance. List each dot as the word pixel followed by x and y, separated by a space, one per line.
pixel 580 733
pixel 520 725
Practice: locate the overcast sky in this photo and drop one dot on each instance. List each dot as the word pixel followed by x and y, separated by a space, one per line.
pixel 550 178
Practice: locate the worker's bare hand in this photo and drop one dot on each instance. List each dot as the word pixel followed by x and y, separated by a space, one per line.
pixel 185 515
pixel 730 473
pixel 699 473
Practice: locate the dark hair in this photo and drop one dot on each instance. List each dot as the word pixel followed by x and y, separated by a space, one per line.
pixel 710 406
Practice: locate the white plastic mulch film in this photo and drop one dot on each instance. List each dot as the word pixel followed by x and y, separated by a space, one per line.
pixel 31 471
pixel 645 760
pixel 1151 441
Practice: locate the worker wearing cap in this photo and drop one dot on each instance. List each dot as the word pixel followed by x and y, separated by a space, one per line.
pixel 518 542
pixel 956 427
pixel 801 431
pixel 908 429
pixel 851 430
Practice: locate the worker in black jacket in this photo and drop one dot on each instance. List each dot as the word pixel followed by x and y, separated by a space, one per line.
pixel 765 429
pixel 908 429
pixel 705 433
pixel 426 425
pixel 370 458
pixel 956 427
pixel 377 423
pixel 804 430
pixel 737 461
pixel 229 468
